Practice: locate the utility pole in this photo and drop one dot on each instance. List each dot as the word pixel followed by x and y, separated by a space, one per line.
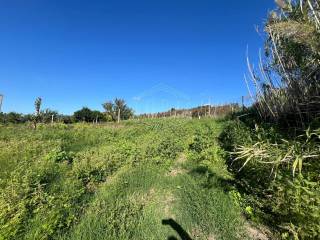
pixel 1 99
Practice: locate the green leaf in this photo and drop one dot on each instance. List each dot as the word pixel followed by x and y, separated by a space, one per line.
pixel 300 164
pixel 294 165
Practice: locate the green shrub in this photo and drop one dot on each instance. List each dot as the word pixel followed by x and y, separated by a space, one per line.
pixel 58 155
pixel 32 197
pixel 278 177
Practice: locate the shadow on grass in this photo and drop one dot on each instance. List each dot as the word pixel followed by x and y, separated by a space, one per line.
pixel 211 180
pixel 177 227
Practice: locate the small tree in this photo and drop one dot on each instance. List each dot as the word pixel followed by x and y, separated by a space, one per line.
pixel 37 115
pixel 117 110
pixel 98 116
pixel 84 115
pixel 87 115
pixel 48 115
pixel 119 107
pixel 13 117
pixel 109 111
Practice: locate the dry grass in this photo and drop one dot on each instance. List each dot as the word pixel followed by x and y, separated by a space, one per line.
pixel 287 81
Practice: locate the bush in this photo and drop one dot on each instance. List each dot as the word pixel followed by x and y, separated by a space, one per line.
pixel 58 155
pixel 32 198
pixel 279 177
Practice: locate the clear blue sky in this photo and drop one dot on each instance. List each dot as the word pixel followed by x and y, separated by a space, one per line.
pixel 153 53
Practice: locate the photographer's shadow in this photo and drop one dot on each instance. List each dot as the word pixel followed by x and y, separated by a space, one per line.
pixel 177 227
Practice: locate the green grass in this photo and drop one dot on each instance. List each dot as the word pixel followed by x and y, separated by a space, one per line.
pixel 116 182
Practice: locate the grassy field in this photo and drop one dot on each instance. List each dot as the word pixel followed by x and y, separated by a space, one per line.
pixel 150 179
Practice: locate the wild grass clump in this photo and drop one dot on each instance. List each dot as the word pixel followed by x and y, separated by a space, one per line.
pixel 278 177
pixel 275 144
pixel 286 85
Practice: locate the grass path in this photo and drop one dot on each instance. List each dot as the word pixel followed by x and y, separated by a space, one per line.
pixel 184 200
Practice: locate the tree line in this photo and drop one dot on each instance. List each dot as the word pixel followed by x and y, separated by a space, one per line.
pixel 115 110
